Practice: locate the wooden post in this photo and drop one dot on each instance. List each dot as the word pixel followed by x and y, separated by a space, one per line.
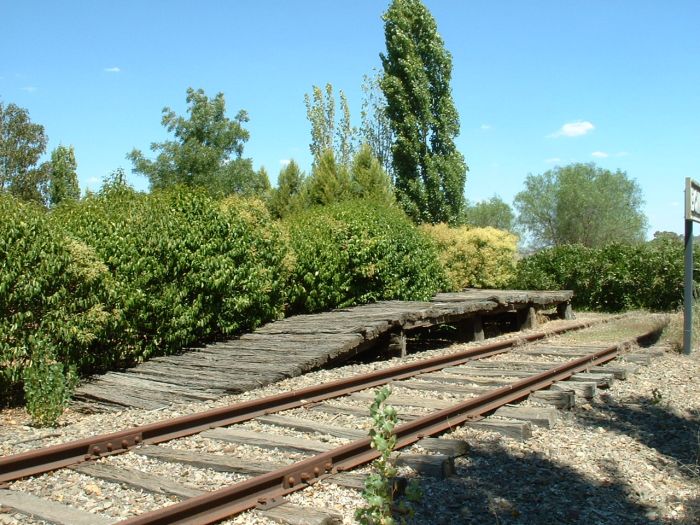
pixel 527 318
pixel 477 328
pixel 397 344
pixel 564 311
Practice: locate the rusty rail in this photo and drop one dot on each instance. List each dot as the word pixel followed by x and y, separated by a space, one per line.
pixel 58 456
pixel 220 504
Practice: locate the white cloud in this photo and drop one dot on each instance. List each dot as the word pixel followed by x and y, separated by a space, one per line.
pixel 285 162
pixel 486 126
pixel 600 154
pixel 29 89
pixel 552 160
pixel 114 69
pixel 621 154
pixel 573 129
pixel 675 204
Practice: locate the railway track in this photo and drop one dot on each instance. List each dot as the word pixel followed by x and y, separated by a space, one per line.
pixel 266 449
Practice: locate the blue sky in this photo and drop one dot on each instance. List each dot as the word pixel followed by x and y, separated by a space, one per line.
pixel 536 84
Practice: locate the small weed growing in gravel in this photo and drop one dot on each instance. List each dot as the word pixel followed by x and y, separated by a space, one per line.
pixel 379 489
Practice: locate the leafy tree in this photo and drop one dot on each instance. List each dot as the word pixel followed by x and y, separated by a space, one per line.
pixel 329 182
pixel 325 133
pixel 493 212
pixel 63 179
pixel 376 127
pixel 22 143
pixel 285 199
pixel 429 171
pixel 368 178
pixel 207 150
pixel 581 203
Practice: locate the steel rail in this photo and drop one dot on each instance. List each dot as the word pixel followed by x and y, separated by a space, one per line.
pixel 223 503
pixel 58 456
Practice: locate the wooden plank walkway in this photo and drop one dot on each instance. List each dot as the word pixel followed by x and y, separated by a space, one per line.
pixel 299 344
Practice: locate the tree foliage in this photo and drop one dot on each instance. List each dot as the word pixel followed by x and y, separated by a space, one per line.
pixel 494 213
pixel 329 182
pixel 22 143
pixel 285 198
pixel 369 181
pixel 474 257
pixel 207 150
pixel 375 130
pixel 364 178
pixel 429 171
pixel 327 134
pixel 63 179
pixel 614 277
pixel 356 252
pixel 581 204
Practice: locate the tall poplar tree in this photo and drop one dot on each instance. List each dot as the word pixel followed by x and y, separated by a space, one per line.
pixel 63 179
pixel 429 171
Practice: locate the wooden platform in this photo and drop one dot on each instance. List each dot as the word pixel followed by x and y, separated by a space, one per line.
pixel 299 344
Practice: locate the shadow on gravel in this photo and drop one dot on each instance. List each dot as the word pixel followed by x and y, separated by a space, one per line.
pixel 650 422
pixel 494 487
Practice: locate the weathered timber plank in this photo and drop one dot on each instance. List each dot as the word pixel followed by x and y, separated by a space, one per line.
pixel 310 426
pixel 259 439
pixel 485 372
pixel 449 447
pixel 137 479
pixel 215 462
pixel 601 380
pixel 405 414
pixel 289 514
pixel 619 372
pixel 541 417
pixel 562 399
pixel 398 400
pixel 583 389
pixel 520 430
pixel 115 396
pixel 441 387
pixel 464 379
pixel 50 511
pixel 437 466
pixel 348 480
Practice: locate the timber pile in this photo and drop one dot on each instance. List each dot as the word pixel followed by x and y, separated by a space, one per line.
pixel 299 344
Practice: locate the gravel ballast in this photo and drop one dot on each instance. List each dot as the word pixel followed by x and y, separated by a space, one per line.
pixel 630 455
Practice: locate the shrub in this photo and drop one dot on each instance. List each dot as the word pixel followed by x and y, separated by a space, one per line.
pixel 53 299
pixel 612 278
pixel 475 257
pixel 356 252
pixel 185 267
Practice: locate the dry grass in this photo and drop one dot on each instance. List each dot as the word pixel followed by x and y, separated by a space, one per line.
pixel 673 334
pixel 629 326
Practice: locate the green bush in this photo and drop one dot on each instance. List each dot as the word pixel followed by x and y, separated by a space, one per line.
pixel 53 298
pixel 474 257
pixel 357 252
pixel 613 278
pixel 185 268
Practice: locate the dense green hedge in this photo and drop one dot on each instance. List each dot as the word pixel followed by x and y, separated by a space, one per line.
pixel 122 276
pixel 185 267
pixel 613 278
pixel 356 252
pixel 54 308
